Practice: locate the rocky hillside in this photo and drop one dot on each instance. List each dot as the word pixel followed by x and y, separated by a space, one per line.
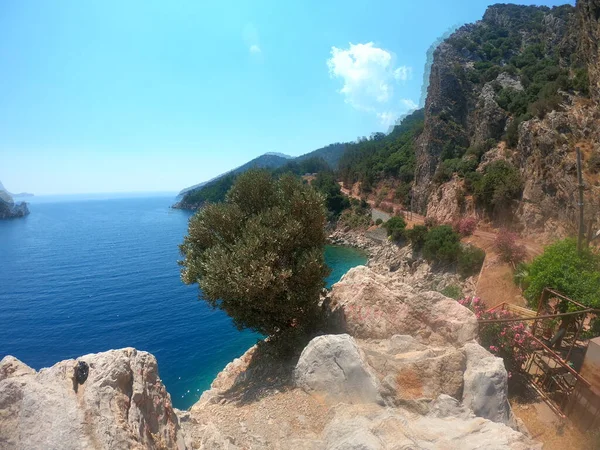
pixel 8 208
pixel 403 371
pixel 510 98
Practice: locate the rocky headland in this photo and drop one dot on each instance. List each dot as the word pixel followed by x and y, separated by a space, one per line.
pixel 9 209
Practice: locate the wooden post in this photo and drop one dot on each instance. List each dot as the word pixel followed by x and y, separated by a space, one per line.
pixel 581 186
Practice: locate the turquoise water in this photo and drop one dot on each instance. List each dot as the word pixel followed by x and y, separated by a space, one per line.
pixel 83 275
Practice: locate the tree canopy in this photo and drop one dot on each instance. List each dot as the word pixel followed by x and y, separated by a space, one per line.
pixel 259 255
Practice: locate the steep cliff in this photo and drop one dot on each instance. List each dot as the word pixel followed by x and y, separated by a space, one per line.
pixel 521 85
pixel 8 208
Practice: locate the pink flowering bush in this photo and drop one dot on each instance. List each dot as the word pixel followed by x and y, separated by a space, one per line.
pixel 508 248
pixel 511 341
pixel 465 226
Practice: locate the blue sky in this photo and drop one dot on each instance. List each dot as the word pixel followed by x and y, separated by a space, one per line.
pixel 124 96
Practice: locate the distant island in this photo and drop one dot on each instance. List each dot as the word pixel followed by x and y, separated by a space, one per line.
pixel 8 208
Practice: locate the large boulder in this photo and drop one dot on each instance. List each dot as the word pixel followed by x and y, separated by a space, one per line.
pixel 370 427
pixel 121 404
pixel 486 385
pixel 334 366
pixel 411 372
pixel 368 305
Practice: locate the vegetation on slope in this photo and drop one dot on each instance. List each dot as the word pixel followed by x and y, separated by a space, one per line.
pixel 384 156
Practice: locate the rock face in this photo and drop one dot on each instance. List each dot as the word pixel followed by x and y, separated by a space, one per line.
pixel 368 305
pixel 463 111
pixel 335 365
pixel 9 209
pixel 121 404
pixel 404 373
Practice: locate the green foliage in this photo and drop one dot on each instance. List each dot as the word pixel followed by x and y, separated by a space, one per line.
pixel 416 235
pixel 562 268
pixel 258 255
pixel 395 228
pixel 383 156
pixel 500 184
pixel 452 291
pixel 460 166
pixel 470 260
pixel 378 221
pixel 335 201
pixel 442 244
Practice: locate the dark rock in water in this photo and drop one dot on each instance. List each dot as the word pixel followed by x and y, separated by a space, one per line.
pixel 8 208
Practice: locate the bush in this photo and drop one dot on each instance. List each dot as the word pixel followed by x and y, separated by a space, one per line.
pixel 501 183
pixel 378 221
pixel 465 226
pixel 259 256
pixel 452 291
pixel 562 268
pixel 510 251
pixel 395 228
pixel 441 244
pixel 509 340
pixel 416 235
pixel 470 260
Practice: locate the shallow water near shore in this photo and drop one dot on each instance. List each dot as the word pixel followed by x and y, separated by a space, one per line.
pixel 86 274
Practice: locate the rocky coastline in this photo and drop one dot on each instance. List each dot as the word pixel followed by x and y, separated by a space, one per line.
pixel 399 367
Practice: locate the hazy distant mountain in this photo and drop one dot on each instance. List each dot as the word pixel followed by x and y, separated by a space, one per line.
pixel 266 161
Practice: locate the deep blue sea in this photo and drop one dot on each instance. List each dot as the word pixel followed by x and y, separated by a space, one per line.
pixel 84 274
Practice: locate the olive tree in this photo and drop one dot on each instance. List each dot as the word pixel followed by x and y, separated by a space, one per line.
pixel 259 255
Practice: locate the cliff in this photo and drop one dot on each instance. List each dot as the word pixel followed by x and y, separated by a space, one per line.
pixel 8 208
pixel 521 86
pixel 402 369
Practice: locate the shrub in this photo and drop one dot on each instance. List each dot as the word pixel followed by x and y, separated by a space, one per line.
pixel 465 226
pixel 501 183
pixel 561 267
pixel 509 250
pixel 395 228
pixel 416 235
pixel 441 244
pixel 259 256
pixel 452 291
pixel 378 221
pixel 470 260
pixel 509 340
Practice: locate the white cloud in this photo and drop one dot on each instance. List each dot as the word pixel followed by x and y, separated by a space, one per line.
pixel 251 39
pixel 369 75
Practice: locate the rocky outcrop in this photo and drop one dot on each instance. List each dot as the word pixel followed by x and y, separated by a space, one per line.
pixel 463 110
pixel 589 40
pixel 334 364
pixel 414 381
pixel 368 305
pixel 121 404
pixel 9 209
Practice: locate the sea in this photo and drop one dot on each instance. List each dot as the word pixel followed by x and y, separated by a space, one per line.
pixel 88 273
